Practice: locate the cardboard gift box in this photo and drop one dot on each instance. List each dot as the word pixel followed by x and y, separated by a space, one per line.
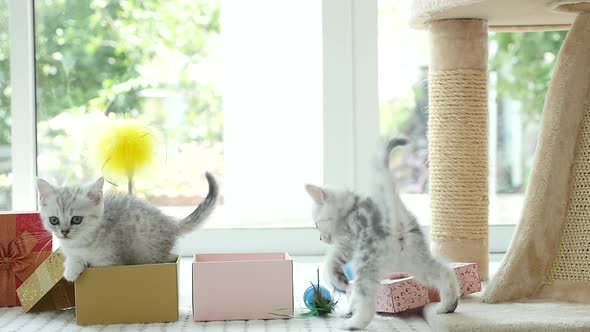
pixel 242 286
pixel 468 278
pixel 397 295
pixel 467 275
pixel 145 293
pixel 24 245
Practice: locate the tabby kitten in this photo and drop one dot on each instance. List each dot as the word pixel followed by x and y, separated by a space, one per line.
pixel 114 228
pixel 378 235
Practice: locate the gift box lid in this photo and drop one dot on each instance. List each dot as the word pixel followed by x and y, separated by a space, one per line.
pixel 46 289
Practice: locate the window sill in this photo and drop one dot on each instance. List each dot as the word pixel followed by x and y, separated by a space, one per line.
pixel 295 240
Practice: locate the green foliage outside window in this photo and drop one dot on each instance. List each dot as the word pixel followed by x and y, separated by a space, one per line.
pixel 146 59
pixel 524 64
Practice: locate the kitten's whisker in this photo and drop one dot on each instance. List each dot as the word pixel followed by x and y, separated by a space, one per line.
pixel 35 241
pixel 112 183
pixel 38 233
pixel 37 259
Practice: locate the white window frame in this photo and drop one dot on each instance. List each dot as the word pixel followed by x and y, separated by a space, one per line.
pixel 351 116
pixel 351 125
pixel 22 104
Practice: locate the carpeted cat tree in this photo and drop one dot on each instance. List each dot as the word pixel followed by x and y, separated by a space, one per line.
pixel 543 283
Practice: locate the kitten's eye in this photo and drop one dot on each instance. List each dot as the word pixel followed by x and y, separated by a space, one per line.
pixel 54 220
pixel 76 220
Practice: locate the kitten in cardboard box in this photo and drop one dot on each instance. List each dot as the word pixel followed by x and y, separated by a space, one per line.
pixel 104 229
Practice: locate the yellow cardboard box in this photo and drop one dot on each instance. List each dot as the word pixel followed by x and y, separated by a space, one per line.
pixel 106 295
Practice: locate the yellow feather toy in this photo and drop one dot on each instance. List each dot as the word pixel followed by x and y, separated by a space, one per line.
pixel 125 147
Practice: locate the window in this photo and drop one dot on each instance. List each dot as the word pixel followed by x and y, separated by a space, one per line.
pixel 273 110
pixel 5 112
pixel 155 61
pixel 266 104
pixel 520 69
pixel 521 65
pixel 403 100
pixel 224 93
pixel 214 85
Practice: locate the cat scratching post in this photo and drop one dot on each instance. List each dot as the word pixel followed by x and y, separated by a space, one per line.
pixel 550 253
pixel 549 258
pixel 458 138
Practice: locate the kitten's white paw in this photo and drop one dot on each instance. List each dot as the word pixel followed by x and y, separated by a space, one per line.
pixel 359 321
pixel 447 306
pixel 345 314
pixel 72 274
pixel 353 324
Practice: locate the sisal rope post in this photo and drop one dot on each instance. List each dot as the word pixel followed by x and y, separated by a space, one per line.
pixel 458 141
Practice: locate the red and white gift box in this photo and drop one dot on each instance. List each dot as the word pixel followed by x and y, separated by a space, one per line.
pixel 401 292
pixel 397 295
pixel 468 278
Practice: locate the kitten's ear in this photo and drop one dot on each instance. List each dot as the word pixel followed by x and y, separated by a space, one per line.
pixel 95 191
pixel 316 193
pixel 44 188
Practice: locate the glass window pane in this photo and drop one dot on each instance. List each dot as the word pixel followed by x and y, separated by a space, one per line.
pixel 5 128
pixel 521 65
pixel 403 55
pixel 155 61
pixel 170 64
pixel 273 108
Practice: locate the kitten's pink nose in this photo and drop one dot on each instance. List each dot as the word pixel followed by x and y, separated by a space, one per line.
pixel 65 232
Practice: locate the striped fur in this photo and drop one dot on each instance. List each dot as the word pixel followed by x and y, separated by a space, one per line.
pixel 379 236
pixel 115 229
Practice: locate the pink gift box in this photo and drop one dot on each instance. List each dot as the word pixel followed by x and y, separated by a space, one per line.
pixel 468 278
pixel 242 286
pixel 397 295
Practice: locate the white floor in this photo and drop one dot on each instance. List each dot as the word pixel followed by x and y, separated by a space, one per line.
pixel 14 319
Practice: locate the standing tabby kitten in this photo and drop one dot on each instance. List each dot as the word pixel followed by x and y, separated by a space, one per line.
pixel 113 229
pixel 379 236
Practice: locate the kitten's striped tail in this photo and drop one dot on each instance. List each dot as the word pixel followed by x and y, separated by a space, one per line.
pixel 202 211
pixel 392 144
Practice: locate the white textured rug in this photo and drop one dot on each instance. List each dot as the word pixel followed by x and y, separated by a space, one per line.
pixel 521 316
pixel 14 319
